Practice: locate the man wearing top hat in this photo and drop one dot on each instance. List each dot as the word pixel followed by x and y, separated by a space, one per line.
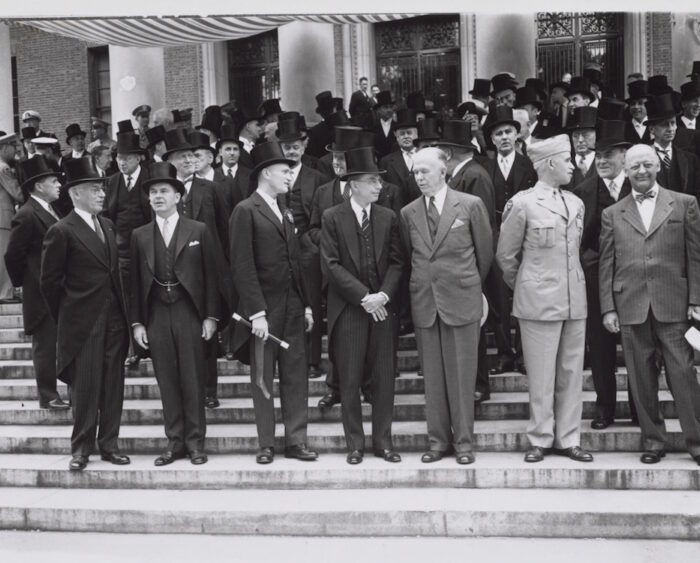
pixel 32 118
pixel 503 89
pixel 267 275
pixel 399 163
pixel 270 110
pixel 81 284
pixel 636 130
pixel 361 103
pixel 579 92
pixel 23 262
pixel 321 134
pixel 142 116
pixel 75 139
pixel 527 98
pixel 10 195
pixel 250 130
pixel 538 252
pixel 688 119
pixel 298 199
pixel 306 158
pixel 232 175
pixel 362 261
pixel 174 310
pixel 99 134
pixel 211 124
pixel 27 134
pixel 680 170
pixel 385 128
pixel 581 129
pixel 510 173
pixel 156 142
pixel 599 192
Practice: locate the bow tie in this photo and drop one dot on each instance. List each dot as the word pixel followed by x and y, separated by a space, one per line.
pixel 646 195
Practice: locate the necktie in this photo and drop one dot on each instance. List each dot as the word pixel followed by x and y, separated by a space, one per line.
pixel 582 165
pixel 504 167
pixel 365 222
pixel 346 192
pixel 433 217
pixel 641 197
pixel 128 183
pixel 98 229
pixel 663 155
pixel 167 232
pixel 612 188
pixel 229 173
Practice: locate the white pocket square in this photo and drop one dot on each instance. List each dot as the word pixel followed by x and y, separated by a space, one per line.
pixel 457 223
pixel 194 243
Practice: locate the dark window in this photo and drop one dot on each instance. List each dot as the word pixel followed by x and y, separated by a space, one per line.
pixel 15 95
pixel 420 54
pixel 100 93
pixel 254 70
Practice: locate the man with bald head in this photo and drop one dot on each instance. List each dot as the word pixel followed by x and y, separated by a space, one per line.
pixel 448 239
pixel 649 291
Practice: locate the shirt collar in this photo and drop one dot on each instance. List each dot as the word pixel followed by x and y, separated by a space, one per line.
pixel 440 196
pixel 688 121
pixel 668 150
pixel 85 216
pixel 78 154
pixel 271 201
pixel 654 191
pixel 174 218
pixel 358 210
pixel 509 158
pixel 208 176
pixel 233 169
pixel 619 180
pixel 134 175
pixel 43 203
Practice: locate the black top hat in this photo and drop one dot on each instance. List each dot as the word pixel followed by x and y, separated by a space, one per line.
pixel 145 108
pixel 159 172
pixel 289 130
pixel 338 118
pixel 155 134
pixel 128 143
pixel 28 133
pixel 526 95
pixel 637 90
pixel 337 103
pixel 560 84
pixel 324 103
pixel 266 154
pixel 609 134
pixel 346 138
pixel 182 115
pixel 594 72
pixel 611 109
pixel 690 90
pixel 366 139
pixel 240 118
pixel 500 115
pixel 268 107
pixel 456 133
pixel 289 115
pixel 658 85
pixel 481 88
pixel 360 161
pixel 73 130
pixel 200 141
pixel 229 133
pixel 416 101
pixel 406 118
pixel 175 140
pixel 470 107
pixel 503 81
pixel 79 171
pixel 384 98
pixel 538 85
pixel 34 169
pixel 696 69
pixel 428 131
pixel 211 120
pixel 660 108
pixel 583 118
pixel 581 85
pixel 125 126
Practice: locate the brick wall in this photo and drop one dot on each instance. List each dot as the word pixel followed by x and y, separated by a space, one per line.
pixel 659 48
pixel 52 78
pixel 184 79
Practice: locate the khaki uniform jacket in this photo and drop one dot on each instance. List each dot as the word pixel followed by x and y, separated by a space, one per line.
pixel 10 194
pixel 538 251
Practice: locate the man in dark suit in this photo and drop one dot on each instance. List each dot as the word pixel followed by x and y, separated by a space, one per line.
pixel 399 163
pixel 298 199
pixel 273 297
pixel 360 107
pixel 581 129
pixel 23 262
pixel 649 290
pixel 510 173
pixel 385 128
pixel 321 134
pixel 75 139
pixel 231 175
pixel 448 240
pixel 174 307
pixel 81 284
pixel 126 205
pixel 362 260
pixel 636 130
pixel 598 193
pixel 250 129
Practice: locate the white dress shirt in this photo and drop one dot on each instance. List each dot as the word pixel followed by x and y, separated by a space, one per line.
pixel 619 180
pixel 640 128
pixel 587 160
pixel 440 196
pixel 668 150
pixel 295 174
pixel 689 123
pixel 341 187
pixel 187 182
pixel 247 145
pixel 208 176
pixel 646 207
pixel 386 126
pixel 505 163
pixel 78 154
pixel 172 223
pixel 225 169
pixel 408 158
pixel 134 177
pixel 87 217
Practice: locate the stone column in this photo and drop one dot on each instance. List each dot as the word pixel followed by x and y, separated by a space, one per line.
pixel 215 73
pixel 635 43
pixel 685 46
pixel 307 65
pixel 506 43
pixel 6 110
pixel 137 76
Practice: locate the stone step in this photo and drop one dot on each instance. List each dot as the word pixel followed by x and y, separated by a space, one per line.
pixel 16 351
pixel 11 321
pixel 491 470
pixel 501 406
pixel 13 335
pixel 10 308
pixel 328 437
pixel 436 512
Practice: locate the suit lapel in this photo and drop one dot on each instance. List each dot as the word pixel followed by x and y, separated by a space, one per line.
pixel 44 217
pixel 378 233
pixel 663 208
pixel 349 226
pixel 264 208
pixel 182 231
pixel 88 237
pixel 447 217
pixel 196 195
pixel 682 164
pixel 631 214
pixel 149 246
pixel 111 242
pixel 420 218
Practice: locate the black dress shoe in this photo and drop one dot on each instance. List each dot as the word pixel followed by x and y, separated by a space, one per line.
pixel 480 397
pixel 355 457
pixel 55 404
pixel 78 463
pixel 502 365
pixel 432 456
pixel 132 362
pixel 465 458
pixel 211 402
pixel 314 371
pixel 301 452
pixel 601 422
pixel 388 455
pixel 577 453
pixel 167 458
pixel 265 456
pixel 116 459
pixel 536 453
pixel 198 458
pixel 654 456
pixel 328 400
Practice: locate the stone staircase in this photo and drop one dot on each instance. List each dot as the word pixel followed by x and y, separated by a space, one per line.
pixel 500 495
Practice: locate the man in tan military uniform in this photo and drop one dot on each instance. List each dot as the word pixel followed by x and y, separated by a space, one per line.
pixel 10 195
pixel 538 251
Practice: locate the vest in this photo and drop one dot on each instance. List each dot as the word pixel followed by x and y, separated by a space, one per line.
pixel 368 259
pixel 129 212
pixel 503 187
pixel 185 205
pixel 164 266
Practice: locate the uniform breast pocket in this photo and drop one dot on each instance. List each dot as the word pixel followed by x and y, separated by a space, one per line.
pixel 543 233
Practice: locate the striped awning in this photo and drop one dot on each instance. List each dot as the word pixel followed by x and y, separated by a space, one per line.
pixel 168 31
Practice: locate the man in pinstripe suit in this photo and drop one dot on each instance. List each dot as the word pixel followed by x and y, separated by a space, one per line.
pixel 81 284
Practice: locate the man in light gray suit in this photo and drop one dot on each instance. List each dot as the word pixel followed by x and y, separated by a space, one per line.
pixel 649 289
pixel 447 236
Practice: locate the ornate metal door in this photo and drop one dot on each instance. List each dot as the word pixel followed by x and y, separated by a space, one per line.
pixel 567 41
pixel 420 54
pixel 254 70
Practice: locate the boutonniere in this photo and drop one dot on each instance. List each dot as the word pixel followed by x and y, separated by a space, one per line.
pixel 288 216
